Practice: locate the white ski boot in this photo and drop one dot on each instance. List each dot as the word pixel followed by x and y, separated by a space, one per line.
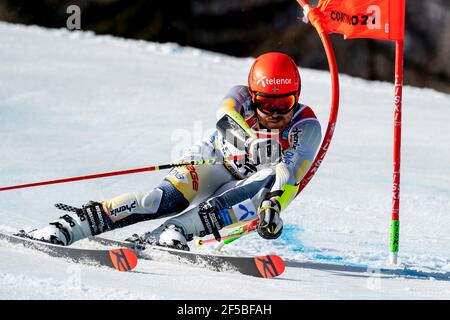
pixel 53 233
pixel 87 221
pixel 173 237
pixel 170 236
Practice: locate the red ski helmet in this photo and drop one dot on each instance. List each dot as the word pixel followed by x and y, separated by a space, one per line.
pixel 274 74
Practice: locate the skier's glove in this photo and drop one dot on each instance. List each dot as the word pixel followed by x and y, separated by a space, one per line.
pixel 270 224
pixel 263 151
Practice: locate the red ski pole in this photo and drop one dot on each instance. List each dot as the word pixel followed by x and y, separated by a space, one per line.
pixel 122 172
pixel 234 235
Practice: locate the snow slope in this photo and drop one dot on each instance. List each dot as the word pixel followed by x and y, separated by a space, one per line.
pixel 72 103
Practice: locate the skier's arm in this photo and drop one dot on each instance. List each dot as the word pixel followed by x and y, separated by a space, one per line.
pixel 230 118
pixel 296 161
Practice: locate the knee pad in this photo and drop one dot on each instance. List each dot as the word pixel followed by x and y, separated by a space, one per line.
pixel 172 200
pixel 133 208
pixel 263 178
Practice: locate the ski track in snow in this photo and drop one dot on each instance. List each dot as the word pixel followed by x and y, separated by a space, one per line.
pixel 73 103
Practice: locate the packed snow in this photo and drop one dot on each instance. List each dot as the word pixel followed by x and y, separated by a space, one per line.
pixel 74 103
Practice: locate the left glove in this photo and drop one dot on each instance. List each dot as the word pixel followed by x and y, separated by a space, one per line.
pixel 270 224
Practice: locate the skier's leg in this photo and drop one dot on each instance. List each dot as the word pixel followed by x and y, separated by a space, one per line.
pixel 89 220
pixel 181 187
pixel 97 217
pixel 235 201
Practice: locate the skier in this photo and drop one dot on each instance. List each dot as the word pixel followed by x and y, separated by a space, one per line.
pixel 267 141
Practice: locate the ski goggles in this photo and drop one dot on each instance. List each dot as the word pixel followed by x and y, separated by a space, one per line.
pixel 269 104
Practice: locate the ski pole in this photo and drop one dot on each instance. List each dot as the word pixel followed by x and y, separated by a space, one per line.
pixel 228 238
pixel 241 232
pixel 123 172
pixel 232 236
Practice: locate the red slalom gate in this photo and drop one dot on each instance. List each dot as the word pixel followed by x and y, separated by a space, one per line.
pixel 314 17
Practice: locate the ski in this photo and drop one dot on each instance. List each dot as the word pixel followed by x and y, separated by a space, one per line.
pixel 267 266
pixel 122 259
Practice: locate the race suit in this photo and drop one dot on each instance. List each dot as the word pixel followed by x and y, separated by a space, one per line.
pixel 236 186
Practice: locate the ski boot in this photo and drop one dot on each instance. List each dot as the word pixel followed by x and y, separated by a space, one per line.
pixel 169 236
pixel 90 220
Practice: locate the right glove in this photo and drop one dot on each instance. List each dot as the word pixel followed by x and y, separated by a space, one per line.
pixel 270 224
